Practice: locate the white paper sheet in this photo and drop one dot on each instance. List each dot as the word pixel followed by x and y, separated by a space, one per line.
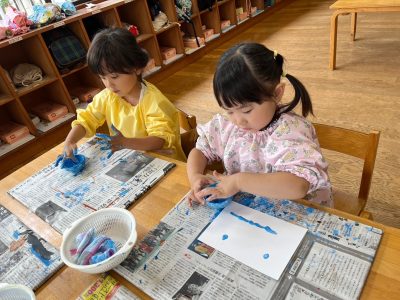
pixel 262 242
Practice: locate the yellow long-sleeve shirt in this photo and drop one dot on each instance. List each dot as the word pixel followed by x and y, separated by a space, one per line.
pixel 154 115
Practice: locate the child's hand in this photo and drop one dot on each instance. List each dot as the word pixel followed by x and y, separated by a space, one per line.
pixel 70 148
pixel 226 187
pixel 197 183
pixel 118 141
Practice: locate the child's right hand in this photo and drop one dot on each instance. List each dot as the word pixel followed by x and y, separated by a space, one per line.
pixel 197 183
pixel 69 148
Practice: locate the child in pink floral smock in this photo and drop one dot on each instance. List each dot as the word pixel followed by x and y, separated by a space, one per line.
pixel 266 149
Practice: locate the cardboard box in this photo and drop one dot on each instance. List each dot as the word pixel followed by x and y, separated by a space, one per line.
pixel 225 23
pixel 190 42
pixel 11 132
pixel 242 16
pixel 84 94
pixel 208 33
pixel 150 65
pixel 167 52
pixel 49 111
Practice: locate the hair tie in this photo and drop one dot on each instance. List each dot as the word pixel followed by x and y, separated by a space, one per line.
pixel 275 54
pixel 284 74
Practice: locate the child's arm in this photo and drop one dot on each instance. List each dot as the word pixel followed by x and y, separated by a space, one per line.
pixel 280 185
pixel 196 165
pixel 148 143
pixel 74 136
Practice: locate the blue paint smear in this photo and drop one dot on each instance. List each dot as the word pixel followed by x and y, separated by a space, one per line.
pixel 224 237
pixel 310 210
pixel 292 217
pixel 156 257
pixel 336 232
pixel 266 228
pixel 266 256
pixel 347 229
pixel 285 202
pixel 15 235
pixel 144 267
pixel 187 212
pixel 123 192
pixel 44 261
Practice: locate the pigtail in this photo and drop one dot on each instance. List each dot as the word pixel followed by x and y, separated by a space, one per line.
pixel 300 94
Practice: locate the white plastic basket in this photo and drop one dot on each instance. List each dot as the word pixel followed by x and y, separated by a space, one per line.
pixel 116 223
pixel 15 292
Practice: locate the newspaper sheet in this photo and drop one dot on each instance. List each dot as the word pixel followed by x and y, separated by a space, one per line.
pixel 25 258
pixel 332 262
pixel 60 198
pixel 107 287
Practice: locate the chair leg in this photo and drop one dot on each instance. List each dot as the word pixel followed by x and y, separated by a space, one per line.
pixel 353 25
pixel 333 40
pixel 366 215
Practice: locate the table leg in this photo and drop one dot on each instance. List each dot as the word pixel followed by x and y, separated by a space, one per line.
pixel 353 25
pixel 333 40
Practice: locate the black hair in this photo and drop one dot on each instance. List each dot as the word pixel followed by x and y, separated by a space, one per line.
pixel 115 50
pixel 250 72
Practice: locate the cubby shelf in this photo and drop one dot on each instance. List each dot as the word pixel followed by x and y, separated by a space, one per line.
pixel 56 86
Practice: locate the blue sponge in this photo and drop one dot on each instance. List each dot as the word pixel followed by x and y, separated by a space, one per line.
pixel 74 164
pixel 218 203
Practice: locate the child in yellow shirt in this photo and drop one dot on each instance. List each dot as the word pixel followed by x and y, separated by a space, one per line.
pixel 143 117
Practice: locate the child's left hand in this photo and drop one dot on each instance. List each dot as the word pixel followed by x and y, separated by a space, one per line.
pixel 118 141
pixel 226 187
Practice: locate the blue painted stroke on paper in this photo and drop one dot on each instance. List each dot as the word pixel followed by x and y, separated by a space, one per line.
pixel 266 228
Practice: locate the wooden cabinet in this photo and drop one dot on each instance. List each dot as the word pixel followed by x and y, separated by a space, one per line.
pixel 61 87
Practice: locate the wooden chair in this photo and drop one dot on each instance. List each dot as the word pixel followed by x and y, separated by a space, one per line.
pixel 189 137
pixel 356 144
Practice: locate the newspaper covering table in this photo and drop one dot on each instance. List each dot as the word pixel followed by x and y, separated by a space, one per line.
pixel 107 287
pixel 332 262
pixel 60 198
pixel 25 258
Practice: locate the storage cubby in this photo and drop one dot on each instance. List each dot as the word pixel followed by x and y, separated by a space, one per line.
pixel 59 87
pixel 210 19
pixel 227 11
pixel 101 20
pixel 82 80
pixel 259 4
pixel 5 95
pixel 12 111
pixel 32 51
pixel 136 13
pixel 151 46
pixel 171 38
pixel 168 7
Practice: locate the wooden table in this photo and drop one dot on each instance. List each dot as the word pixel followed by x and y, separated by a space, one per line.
pixel 353 7
pixel 383 281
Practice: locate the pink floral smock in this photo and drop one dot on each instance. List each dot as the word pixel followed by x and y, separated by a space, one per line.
pixel 288 144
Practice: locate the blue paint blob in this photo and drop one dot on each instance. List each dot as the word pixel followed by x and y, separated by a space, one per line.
pixel 144 267
pixel 266 256
pixel 224 237
pixel 218 203
pixel 156 257
pixel 266 228
pixel 336 232
pixel 187 212
pixel 310 210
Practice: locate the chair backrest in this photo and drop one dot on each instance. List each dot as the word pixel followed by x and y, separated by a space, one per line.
pixel 356 144
pixel 188 138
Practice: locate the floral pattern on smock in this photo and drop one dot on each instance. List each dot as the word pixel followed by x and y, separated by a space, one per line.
pixel 289 144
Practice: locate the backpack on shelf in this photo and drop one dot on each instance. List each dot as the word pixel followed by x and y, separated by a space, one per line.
pixel 66 49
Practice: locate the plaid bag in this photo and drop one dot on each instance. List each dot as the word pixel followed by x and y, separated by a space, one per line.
pixel 65 47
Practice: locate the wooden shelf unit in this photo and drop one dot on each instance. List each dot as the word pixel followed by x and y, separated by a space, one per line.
pixel 30 47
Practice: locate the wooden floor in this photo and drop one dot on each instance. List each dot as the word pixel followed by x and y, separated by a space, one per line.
pixel 363 93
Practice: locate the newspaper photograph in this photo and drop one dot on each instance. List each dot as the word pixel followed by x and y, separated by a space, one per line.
pixel 25 258
pixel 59 197
pixel 332 261
pixel 107 287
